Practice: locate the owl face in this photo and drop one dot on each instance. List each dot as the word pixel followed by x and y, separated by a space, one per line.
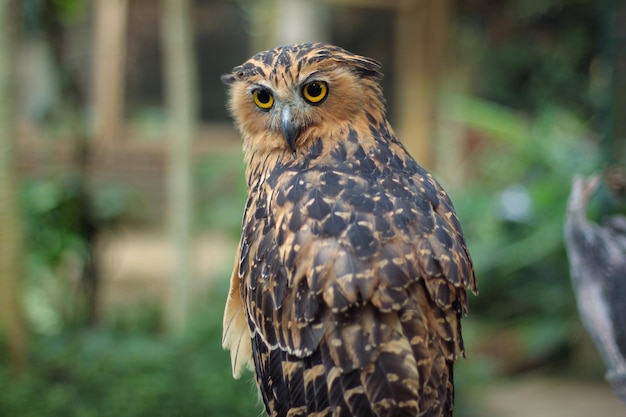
pixel 283 98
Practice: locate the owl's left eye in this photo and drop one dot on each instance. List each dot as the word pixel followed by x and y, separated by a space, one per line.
pixel 263 98
pixel 314 92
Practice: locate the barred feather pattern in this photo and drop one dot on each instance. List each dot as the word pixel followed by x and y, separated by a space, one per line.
pixel 352 268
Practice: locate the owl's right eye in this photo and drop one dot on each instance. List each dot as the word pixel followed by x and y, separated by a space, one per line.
pixel 263 99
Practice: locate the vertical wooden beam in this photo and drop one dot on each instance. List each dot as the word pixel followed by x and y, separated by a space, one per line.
pixel 181 102
pixel 12 324
pixel 421 38
pixel 108 69
pixel 299 21
pixel 283 22
pixel 262 18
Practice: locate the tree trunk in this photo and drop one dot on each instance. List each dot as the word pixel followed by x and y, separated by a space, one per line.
pixel 290 26
pixel 281 22
pixel 108 68
pixel 421 39
pixel 181 103
pixel 11 318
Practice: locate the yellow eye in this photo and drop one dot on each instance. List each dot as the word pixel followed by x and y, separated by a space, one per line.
pixel 263 99
pixel 315 92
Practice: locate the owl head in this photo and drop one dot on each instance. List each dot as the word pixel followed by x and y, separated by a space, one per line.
pixel 284 98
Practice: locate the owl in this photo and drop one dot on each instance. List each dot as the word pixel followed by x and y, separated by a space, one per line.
pixel 352 271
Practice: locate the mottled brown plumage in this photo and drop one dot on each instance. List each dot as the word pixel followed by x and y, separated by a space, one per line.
pixel 351 274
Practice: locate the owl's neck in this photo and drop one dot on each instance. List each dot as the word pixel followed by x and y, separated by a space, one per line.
pixel 259 166
pixel 331 148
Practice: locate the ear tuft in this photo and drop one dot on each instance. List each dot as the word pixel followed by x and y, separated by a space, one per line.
pixel 366 67
pixel 228 79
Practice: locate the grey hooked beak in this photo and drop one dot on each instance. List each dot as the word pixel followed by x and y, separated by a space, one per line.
pixel 290 129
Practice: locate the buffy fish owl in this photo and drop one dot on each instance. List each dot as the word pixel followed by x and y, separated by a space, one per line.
pixel 352 272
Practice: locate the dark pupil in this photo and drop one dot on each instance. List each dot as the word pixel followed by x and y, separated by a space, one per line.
pixel 314 89
pixel 263 96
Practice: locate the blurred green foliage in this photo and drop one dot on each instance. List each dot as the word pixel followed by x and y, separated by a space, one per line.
pixel 219 202
pixel 126 366
pixel 512 211
pixel 61 220
pixel 533 114
pixel 52 214
pixel 131 370
pixel 529 54
pixel 55 245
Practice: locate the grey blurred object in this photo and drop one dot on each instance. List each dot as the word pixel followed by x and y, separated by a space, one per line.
pixel 597 258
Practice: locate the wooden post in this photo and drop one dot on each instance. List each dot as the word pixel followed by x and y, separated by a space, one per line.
pixel 299 21
pixel 421 37
pixel 181 103
pixel 262 18
pixel 283 22
pixel 12 324
pixel 108 69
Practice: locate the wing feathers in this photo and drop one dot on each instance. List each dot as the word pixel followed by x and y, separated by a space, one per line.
pixel 354 288
pixel 236 336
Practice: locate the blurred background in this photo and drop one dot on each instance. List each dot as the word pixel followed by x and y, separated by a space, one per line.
pixel 122 188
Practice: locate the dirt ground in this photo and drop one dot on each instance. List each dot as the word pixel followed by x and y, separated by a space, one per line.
pixel 137 266
pixel 545 397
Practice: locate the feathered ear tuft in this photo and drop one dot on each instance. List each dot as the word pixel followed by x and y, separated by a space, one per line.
pixel 237 73
pixel 358 64
pixel 366 67
pixel 228 79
